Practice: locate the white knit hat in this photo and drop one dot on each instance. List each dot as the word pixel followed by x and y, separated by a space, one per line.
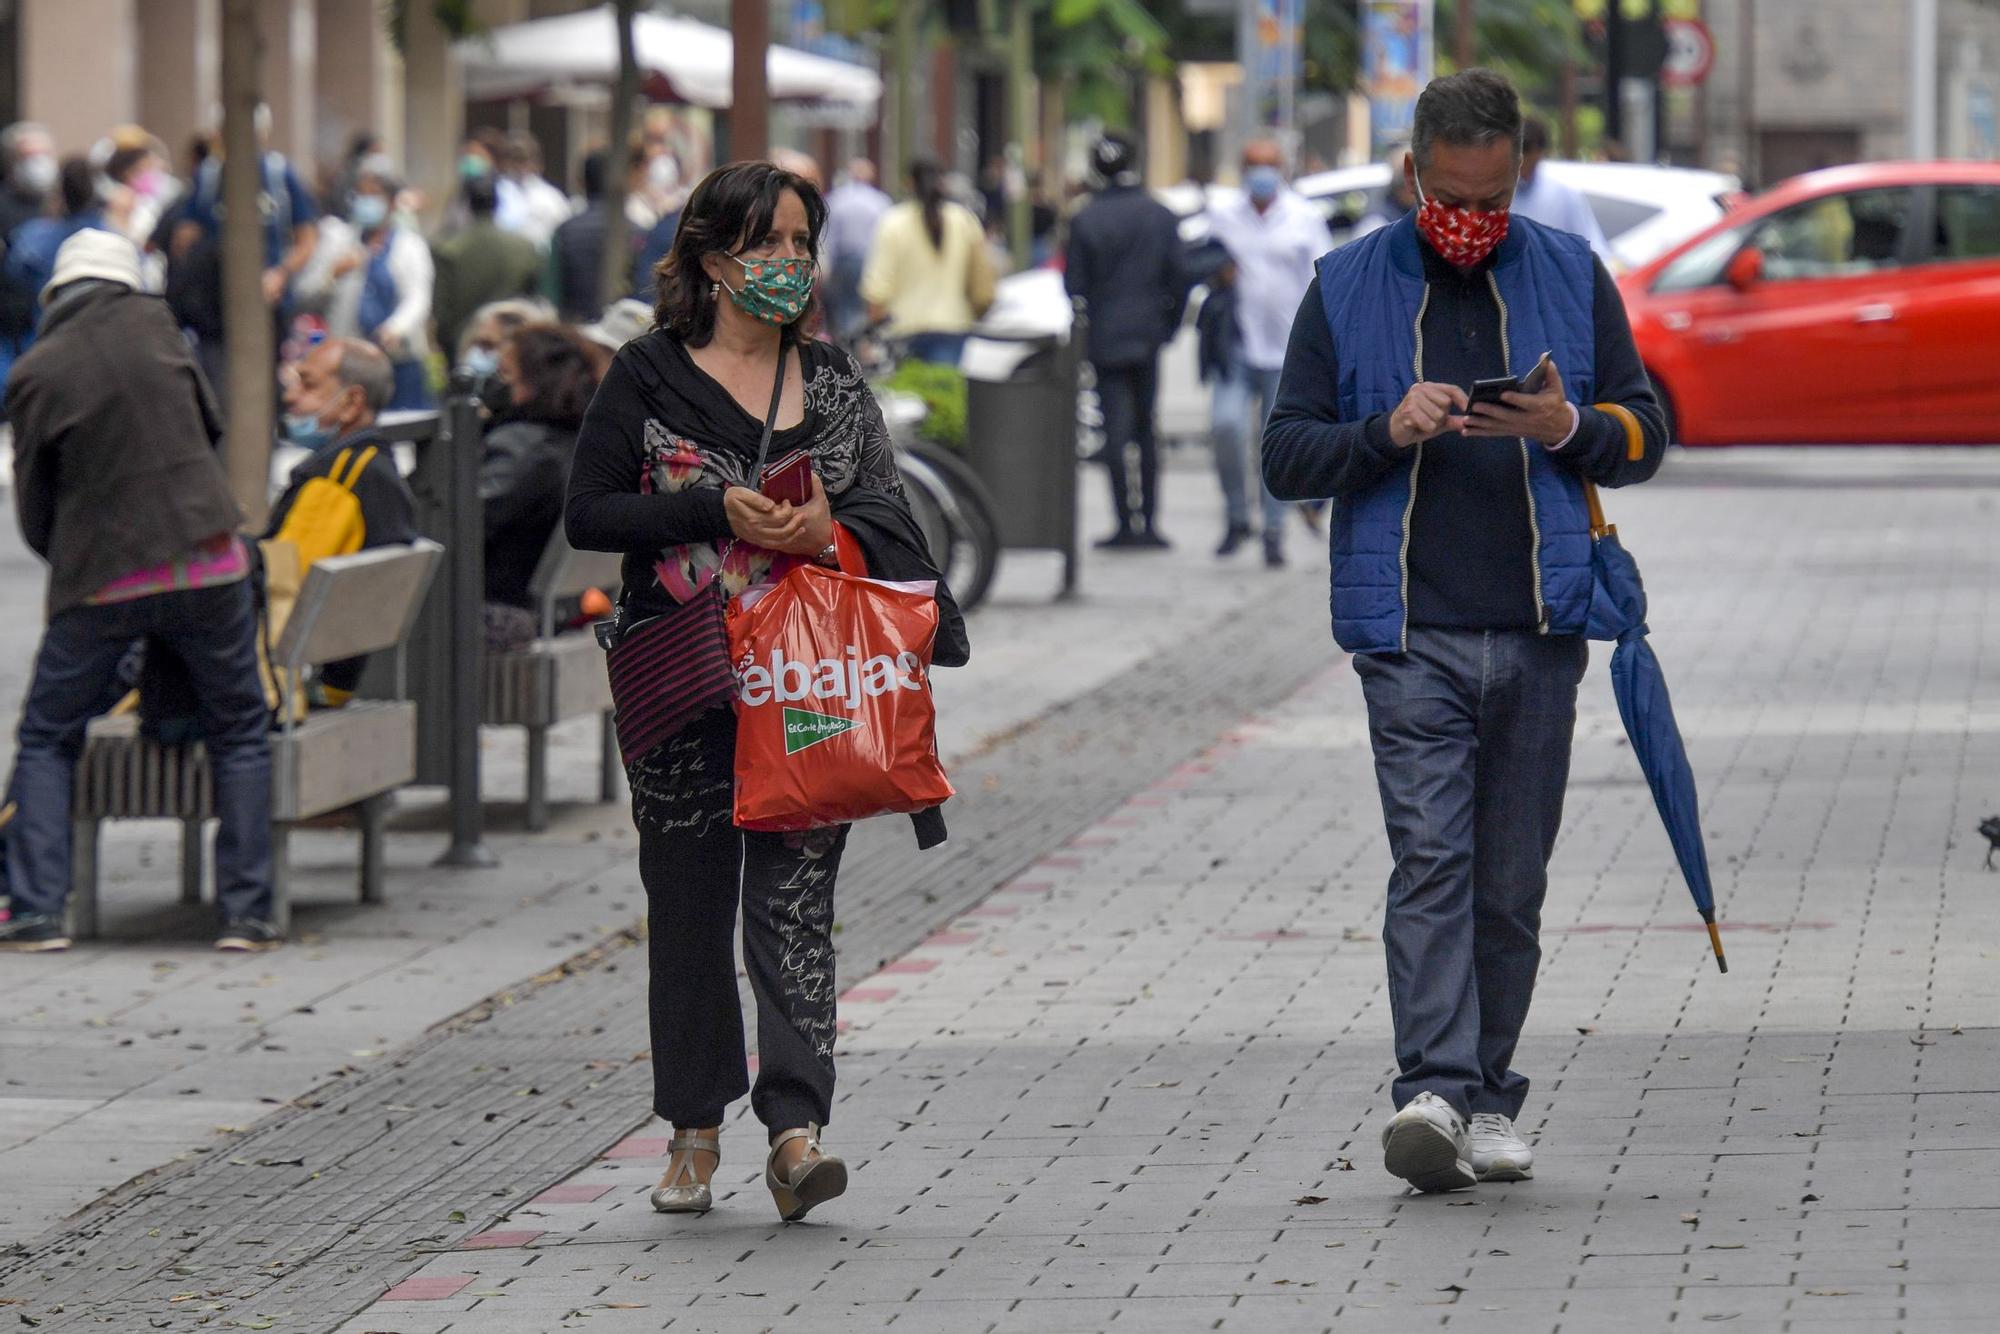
pixel 94 253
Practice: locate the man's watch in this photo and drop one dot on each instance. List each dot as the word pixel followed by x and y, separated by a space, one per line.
pixel 829 555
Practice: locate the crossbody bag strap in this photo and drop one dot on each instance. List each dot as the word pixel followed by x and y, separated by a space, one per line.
pixel 770 418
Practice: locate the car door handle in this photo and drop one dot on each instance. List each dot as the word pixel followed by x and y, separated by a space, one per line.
pixel 1719 333
pixel 1880 313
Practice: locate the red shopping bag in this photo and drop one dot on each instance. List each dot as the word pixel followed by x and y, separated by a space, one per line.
pixel 834 715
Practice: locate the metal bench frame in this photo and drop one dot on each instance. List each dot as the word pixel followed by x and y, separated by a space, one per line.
pixel 558 677
pixel 340 613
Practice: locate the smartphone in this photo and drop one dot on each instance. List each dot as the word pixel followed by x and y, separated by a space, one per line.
pixel 789 478
pixel 1489 391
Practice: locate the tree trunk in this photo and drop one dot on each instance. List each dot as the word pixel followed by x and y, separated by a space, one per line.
pixel 1465 43
pixel 246 318
pixel 616 276
pixel 1021 125
pixel 749 101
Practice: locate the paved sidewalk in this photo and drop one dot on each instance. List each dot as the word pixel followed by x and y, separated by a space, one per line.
pixel 1141 1085
pixel 146 1048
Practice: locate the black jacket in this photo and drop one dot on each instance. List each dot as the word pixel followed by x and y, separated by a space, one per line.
pixel 895 549
pixel 1124 263
pixel 576 264
pixel 114 442
pixel 522 474
pixel 17 304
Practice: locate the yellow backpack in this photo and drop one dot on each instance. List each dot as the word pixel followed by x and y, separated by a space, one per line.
pixel 324 520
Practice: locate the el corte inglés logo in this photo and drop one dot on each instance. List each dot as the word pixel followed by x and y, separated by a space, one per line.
pixel 805 729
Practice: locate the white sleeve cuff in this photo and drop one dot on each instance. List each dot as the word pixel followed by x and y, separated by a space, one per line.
pixel 1575 421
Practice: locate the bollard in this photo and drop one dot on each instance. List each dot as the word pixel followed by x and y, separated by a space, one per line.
pixel 460 431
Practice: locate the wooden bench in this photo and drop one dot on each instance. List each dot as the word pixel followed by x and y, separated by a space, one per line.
pixel 557 677
pixel 333 759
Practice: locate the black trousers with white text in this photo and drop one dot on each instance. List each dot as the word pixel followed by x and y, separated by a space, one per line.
pixel 697 866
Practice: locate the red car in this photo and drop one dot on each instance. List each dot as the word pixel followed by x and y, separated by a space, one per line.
pixel 1857 305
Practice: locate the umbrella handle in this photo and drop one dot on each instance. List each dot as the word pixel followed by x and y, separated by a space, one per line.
pixel 1715 942
pixel 1598 527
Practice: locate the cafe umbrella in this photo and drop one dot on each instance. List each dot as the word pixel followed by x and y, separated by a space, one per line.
pixel 1618 612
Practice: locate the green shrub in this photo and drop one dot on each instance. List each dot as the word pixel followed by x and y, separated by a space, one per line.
pixel 942 388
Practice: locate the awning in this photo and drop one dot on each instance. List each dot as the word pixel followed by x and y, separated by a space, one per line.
pixel 679 59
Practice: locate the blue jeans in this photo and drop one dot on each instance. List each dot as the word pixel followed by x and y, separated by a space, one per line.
pixel 213 632
pixel 1471 730
pixel 943 349
pixel 1241 402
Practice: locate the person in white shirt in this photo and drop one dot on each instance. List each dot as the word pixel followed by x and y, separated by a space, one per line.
pixel 1547 200
pixel 1274 236
pixel 539 206
pixel 853 211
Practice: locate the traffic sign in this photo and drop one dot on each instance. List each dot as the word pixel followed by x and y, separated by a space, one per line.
pixel 1690 53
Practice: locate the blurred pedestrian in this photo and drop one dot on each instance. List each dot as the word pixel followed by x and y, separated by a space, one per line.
pixel 1393 202
pixel 478 350
pixel 32 246
pixel 853 211
pixel 930 274
pixel 1272 236
pixel 1547 200
pixel 28 176
pixel 543 207
pixel 333 397
pixel 363 146
pixel 373 278
pixel 1123 269
pixel 548 374
pixel 137 188
pixel 1462 585
pixel 118 486
pixel 665 471
pixel 481 263
pixel 575 272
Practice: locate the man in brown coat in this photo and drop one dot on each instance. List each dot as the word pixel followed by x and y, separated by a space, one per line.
pixel 118 487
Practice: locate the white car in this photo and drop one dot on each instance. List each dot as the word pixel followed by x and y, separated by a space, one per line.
pixel 1643 210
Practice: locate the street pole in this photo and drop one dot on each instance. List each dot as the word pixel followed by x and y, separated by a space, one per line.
pixel 903 42
pixel 1746 88
pixel 246 315
pixel 1923 78
pixel 1465 41
pixel 1614 71
pixel 615 265
pixel 749 102
pixel 1021 116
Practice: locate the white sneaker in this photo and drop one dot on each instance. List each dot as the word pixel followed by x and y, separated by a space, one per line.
pixel 1424 1144
pixel 1497 1152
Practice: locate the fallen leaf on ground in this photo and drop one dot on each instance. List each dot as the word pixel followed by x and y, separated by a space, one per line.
pixel 1343 1164
pixel 1585 1031
pixel 1460 1204
pixel 1808 1199
pixel 1725 1246
pixel 1169 1084
pixel 455 1216
pixel 1828 1292
pixel 1694 1219
pixel 1310 1199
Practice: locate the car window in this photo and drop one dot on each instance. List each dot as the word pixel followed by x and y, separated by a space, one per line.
pixel 1701 265
pixel 1968 222
pixel 1835 237
pixel 1615 217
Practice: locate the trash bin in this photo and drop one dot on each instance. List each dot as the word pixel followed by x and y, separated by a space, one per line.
pixel 1020 437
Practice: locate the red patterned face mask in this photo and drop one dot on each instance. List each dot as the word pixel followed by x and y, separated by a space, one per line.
pixel 1464 236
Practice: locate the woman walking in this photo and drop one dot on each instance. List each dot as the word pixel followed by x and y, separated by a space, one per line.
pixel 665 471
pixel 929 273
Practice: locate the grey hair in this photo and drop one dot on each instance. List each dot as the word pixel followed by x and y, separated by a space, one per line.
pixel 1468 110
pixel 362 363
pixel 11 137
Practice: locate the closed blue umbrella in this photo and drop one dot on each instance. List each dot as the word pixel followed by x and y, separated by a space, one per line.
pixel 1618 612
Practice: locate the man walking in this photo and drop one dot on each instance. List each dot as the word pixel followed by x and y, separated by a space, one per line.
pixel 1547 200
pixel 1461 583
pixel 1273 236
pixel 1124 269
pixel 118 487
pixel 482 263
pixel 853 211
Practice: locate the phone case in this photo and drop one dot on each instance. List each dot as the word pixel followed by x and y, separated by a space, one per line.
pixel 789 478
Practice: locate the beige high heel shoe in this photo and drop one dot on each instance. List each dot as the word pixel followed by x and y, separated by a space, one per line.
pixel 812 1181
pixel 681 1192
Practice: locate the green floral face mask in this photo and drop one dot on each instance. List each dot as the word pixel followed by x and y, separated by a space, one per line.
pixel 775 291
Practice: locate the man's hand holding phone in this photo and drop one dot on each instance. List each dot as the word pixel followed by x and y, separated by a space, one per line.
pixel 1428 410
pixel 1538 410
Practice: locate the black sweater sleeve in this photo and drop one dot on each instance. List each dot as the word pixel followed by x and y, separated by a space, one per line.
pixel 1603 447
pixel 1309 453
pixel 605 510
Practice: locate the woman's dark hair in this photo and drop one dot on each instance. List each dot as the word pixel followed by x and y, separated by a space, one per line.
pixel 731 208
pixel 927 179
pixel 554 366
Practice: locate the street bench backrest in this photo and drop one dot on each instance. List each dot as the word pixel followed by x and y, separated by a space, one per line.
pixel 565 572
pixel 358 604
